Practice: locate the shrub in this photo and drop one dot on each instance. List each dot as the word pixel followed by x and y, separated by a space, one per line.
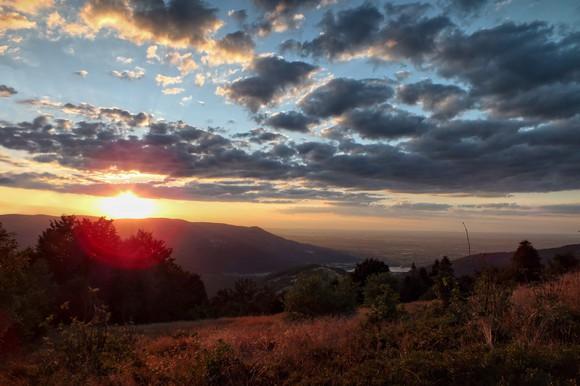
pixel 489 305
pixel 380 297
pixel 89 348
pixel 320 294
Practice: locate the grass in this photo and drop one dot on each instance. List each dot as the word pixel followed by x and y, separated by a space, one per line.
pixel 425 346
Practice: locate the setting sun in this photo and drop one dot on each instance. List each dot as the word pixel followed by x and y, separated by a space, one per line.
pixel 127 205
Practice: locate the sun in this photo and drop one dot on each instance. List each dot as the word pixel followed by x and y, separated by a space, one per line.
pixel 127 205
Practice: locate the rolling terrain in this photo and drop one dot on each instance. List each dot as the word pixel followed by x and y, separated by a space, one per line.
pixel 205 248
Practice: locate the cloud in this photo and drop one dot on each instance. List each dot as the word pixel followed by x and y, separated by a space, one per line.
pixel 185 100
pixel 124 60
pixel 342 94
pixel 467 7
pixel 444 101
pixel 152 53
pixel 477 156
pixel 274 76
pixel 513 68
pixel 176 23
pixel 134 74
pixel 31 7
pixel 107 114
pixel 365 32
pixel 163 80
pixel 240 15
pixel 235 47
pixel 14 21
pixel 422 206
pixel 199 80
pixel 282 15
pixel 82 73
pixel 261 136
pixel 173 90
pixel 291 121
pixel 383 122
pixel 184 62
pixel 6 91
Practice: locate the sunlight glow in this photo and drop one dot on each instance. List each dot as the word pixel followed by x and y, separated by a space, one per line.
pixel 127 205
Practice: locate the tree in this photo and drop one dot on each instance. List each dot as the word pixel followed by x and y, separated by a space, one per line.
pixel 415 283
pixel 526 263
pixel 26 288
pixel 367 268
pixel 444 283
pixel 136 277
pixel 320 294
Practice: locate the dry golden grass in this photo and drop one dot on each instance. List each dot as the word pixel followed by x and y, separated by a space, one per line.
pixel 565 289
pixel 545 313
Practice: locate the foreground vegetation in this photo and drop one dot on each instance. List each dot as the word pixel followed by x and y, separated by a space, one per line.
pixel 425 344
pixel 519 326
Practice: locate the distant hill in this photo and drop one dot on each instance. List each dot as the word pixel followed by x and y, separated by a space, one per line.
pixel 205 248
pixel 470 264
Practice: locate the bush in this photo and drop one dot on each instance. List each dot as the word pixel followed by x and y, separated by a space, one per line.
pixel 84 349
pixel 489 305
pixel 320 294
pixel 246 298
pixel 380 297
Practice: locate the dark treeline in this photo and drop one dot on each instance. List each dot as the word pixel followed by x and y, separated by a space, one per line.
pixel 79 265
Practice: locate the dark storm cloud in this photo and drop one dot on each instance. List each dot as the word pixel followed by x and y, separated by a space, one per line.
pixel 342 94
pixel 548 102
pixel 315 151
pixel 365 31
pixel 467 6
pixel 273 77
pixel 344 33
pixel 460 156
pixel 173 22
pixel 516 69
pixel 238 42
pixel 444 101
pixel 6 91
pixel 173 149
pixel 383 122
pixel 291 121
pixel 260 136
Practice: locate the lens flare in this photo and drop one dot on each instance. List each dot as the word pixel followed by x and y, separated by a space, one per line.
pixel 127 205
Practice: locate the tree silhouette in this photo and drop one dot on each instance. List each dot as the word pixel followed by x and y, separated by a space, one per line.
pixel 526 263
pixel 26 292
pixel 136 278
pixel 367 268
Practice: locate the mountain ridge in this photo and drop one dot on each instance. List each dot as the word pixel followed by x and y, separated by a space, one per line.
pixel 470 264
pixel 204 247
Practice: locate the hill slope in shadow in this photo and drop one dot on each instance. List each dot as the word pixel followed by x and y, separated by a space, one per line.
pixel 205 248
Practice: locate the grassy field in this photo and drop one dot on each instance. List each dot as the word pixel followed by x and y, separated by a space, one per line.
pixel 537 342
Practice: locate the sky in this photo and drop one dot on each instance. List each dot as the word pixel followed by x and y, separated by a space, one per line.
pixel 295 113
